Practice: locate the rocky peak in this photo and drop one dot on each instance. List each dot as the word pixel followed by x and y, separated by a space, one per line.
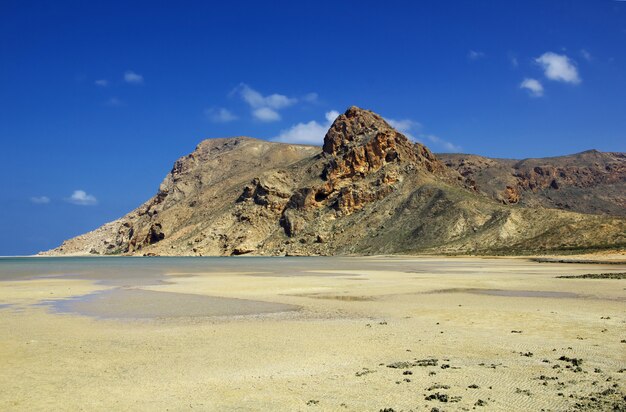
pixel 357 127
pixel 360 142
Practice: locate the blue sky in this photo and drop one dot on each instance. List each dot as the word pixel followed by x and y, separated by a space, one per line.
pixel 97 99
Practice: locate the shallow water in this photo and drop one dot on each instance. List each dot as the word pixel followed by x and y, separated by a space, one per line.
pixel 130 271
pixel 512 293
pixel 120 303
pixel 127 275
pixel 135 271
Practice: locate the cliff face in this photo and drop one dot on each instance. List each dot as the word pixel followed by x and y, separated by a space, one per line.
pixel 587 182
pixel 368 191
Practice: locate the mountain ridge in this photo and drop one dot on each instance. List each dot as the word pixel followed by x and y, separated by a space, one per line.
pixel 588 182
pixel 368 190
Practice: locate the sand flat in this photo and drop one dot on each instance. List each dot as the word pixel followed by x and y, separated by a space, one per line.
pixel 219 350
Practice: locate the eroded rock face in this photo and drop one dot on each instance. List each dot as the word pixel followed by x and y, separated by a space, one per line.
pixel 270 191
pixel 361 142
pixel 369 190
pixel 364 157
pixel 587 182
pixel 511 195
pixel 155 234
pixel 363 161
pixel 552 176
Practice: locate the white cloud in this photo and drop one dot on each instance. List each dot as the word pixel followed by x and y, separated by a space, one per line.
pixel 264 108
pixel 220 115
pixel 586 55
pixel 102 82
pixel 308 133
pixel 404 126
pixel 447 146
pixel 81 198
pixel 114 102
pixel 265 114
pixel 40 200
pixel 132 77
pixel 559 67
pixel 331 117
pixel 475 55
pixel 533 86
pixel 257 100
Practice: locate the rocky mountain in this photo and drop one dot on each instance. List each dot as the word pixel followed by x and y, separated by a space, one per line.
pixel 369 190
pixel 587 182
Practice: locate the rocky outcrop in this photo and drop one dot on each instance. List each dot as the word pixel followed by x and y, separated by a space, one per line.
pixel 601 171
pixel 361 142
pixel 587 182
pixel 363 160
pixel 368 190
pixel 155 234
pixel 272 192
pixel 510 195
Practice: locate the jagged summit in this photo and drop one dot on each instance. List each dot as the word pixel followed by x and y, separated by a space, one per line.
pixel 356 127
pixel 361 142
pixel 369 190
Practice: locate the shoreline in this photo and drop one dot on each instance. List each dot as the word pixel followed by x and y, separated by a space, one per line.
pixel 602 257
pixel 351 334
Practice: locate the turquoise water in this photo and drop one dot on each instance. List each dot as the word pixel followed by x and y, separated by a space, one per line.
pixel 129 271
pixel 128 274
pixel 137 271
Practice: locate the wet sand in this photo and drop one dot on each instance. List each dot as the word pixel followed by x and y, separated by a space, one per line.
pixel 122 303
pixel 311 334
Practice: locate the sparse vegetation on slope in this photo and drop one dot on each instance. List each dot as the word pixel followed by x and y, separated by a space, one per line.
pixel 369 190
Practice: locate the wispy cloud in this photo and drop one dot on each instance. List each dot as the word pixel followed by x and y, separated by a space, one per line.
pixel 114 102
pixel 308 133
pixel 264 108
pixel 475 55
pixel 313 132
pixel 81 198
pixel 439 142
pixel 220 115
pixel 586 55
pixel 132 77
pixel 405 126
pixel 102 82
pixel 310 97
pixel 559 67
pixel 411 129
pixel 534 87
pixel 40 200
pixel 513 59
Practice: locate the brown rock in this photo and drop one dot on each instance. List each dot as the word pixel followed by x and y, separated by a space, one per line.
pixel 511 195
pixel 370 190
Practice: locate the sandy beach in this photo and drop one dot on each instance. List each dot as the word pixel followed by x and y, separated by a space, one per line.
pixel 311 334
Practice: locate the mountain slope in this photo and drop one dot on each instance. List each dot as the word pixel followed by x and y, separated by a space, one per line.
pixel 368 191
pixel 587 182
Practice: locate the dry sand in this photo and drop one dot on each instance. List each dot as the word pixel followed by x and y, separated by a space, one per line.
pixel 421 333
